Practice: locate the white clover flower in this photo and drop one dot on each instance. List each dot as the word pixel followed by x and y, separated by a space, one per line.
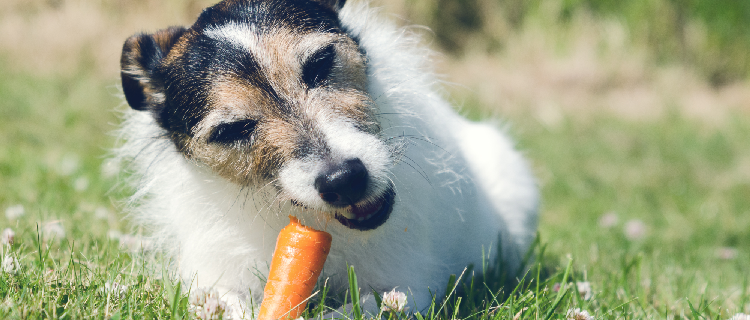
pixel 556 287
pixel 198 297
pixel 740 316
pixel 80 184
pixel 584 289
pixel 115 289
pixel 578 314
pixel 114 235
pixel 53 230
pixel 10 264
pixel 8 236
pixel 635 229
pixel 14 212
pixel 608 220
pixel 394 301
pixel 101 213
pixel 69 164
pixel 207 305
pixel 726 253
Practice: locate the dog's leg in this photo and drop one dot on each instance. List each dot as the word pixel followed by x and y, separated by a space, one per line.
pixel 506 179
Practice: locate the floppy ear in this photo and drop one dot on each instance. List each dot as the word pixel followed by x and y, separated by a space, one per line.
pixel 141 55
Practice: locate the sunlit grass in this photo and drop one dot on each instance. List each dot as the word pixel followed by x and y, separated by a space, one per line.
pixel 650 211
pixel 685 183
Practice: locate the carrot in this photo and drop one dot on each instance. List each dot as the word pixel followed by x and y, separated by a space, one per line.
pixel 297 262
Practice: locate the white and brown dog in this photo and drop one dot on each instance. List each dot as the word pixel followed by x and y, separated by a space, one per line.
pixel 269 108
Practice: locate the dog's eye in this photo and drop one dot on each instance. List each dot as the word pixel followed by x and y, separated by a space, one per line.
pixel 318 68
pixel 231 132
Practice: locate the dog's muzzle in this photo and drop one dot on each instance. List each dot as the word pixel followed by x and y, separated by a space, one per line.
pixel 344 186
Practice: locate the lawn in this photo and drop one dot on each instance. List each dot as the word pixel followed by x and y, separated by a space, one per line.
pixel 643 216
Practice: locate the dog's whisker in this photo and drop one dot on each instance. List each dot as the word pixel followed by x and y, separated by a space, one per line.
pixel 260 212
pixel 421 138
pixel 270 183
pixel 274 201
pixel 417 168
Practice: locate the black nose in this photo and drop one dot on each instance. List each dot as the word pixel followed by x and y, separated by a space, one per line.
pixel 343 184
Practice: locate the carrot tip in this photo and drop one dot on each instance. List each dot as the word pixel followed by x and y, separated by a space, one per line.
pixel 297 262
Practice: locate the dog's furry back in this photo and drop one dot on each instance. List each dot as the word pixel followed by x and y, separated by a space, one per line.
pixel 461 188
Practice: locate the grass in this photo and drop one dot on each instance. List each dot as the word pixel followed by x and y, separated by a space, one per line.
pixel 651 212
pixel 686 182
pixel 712 36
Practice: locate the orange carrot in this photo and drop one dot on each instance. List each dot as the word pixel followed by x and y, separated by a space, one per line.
pixel 297 262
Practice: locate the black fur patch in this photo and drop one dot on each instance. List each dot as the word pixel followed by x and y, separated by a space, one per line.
pixel 316 70
pixel 234 132
pixel 304 15
pixel 141 55
pixel 188 79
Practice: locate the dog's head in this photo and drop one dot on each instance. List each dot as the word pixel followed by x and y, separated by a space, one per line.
pixel 269 93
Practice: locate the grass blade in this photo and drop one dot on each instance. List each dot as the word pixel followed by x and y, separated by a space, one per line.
pixel 563 291
pixel 354 292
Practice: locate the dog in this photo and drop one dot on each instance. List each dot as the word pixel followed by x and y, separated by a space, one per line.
pixel 322 110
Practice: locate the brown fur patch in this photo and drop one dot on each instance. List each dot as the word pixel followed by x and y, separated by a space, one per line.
pixel 286 127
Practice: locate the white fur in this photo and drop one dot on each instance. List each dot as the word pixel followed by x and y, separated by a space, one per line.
pixel 240 35
pixel 460 187
pixel 345 142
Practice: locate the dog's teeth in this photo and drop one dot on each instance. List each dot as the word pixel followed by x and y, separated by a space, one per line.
pixel 360 219
pixel 347 215
pixel 369 216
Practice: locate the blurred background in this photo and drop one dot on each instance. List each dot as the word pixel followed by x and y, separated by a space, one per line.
pixel 634 115
pixel 633 58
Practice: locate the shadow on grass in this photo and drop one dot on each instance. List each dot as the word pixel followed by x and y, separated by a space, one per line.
pixel 486 292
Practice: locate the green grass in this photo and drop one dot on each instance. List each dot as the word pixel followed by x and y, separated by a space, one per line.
pixel 713 36
pixel 686 181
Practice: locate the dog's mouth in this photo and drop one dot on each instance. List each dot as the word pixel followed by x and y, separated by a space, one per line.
pixel 370 215
pixel 365 216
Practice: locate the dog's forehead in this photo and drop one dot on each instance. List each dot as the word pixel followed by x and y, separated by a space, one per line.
pixel 272 49
pixel 272 33
pixel 302 15
pixel 256 71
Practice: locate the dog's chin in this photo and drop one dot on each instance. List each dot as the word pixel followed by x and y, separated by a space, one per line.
pixel 370 215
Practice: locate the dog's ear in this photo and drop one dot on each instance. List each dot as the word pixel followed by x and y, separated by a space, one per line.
pixel 335 4
pixel 141 55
